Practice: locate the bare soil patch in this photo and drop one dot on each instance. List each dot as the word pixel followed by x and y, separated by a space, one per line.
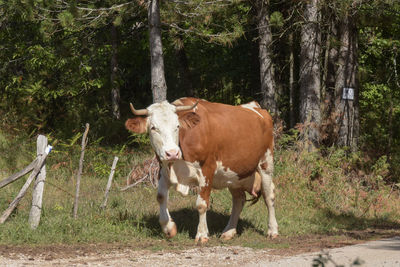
pixel 169 253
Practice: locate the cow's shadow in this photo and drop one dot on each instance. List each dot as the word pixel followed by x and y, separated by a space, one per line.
pixel 187 220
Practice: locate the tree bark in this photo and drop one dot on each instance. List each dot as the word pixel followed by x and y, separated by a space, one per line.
pixel 331 68
pixel 291 82
pixel 115 92
pixel 158 84
pixel 310 80
pixel 346 77
pixel 267 76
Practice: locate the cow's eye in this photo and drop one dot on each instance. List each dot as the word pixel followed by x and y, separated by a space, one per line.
pixel 153 128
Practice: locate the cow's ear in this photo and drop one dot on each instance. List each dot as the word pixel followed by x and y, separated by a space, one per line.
pixel 137 124
pixel 189 120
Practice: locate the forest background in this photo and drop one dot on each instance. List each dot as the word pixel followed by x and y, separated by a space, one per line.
pixel 65 63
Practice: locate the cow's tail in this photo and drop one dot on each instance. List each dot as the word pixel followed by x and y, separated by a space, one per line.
pixel 254 199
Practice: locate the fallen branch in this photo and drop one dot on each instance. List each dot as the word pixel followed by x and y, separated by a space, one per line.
pixel 19 174
pixel 134 184
pixel 149 168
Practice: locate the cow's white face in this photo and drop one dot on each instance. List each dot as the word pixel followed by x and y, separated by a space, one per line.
pixel 163 128
pixel 162 123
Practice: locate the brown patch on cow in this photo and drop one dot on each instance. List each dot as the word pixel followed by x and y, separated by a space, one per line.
pixel 264 165
pixel 189 120
pixel 159 198
pixel 202 208
pixel 137 125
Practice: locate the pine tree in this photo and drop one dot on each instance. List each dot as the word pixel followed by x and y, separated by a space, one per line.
pixel 310 80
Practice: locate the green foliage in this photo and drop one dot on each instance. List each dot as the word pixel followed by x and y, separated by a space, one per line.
pixel 142 140
pixel 55 63
pixel 277 19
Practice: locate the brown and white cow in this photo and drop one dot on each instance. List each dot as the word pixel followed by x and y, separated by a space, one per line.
pixel 210 145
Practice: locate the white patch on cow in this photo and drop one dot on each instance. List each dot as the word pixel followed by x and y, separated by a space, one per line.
pixel 183 189
pixel 269 159
pixel 183 174
pixel 268 188
pixel 224 177
pixel 252 105
pixel 187 173
pixel 202 229
pixel 163 200
pixel 200 202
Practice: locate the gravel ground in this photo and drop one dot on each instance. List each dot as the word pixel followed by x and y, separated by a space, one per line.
pixel 384 252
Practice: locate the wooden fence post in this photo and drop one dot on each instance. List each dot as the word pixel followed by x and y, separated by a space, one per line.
pixel 114 164
pixel 37 194
pixel 78 179
pixel 24 188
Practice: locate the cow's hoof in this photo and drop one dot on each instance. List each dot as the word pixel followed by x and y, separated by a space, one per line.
pixel 272 235
pixel 171 231
pixel 201 240
pixel 228 235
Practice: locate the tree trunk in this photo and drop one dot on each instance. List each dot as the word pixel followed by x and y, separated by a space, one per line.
pixel 346 77
pixel 115 93
pixel 310 80
pixel 291 82
pixel 267 77
pixel 331 68
pixel 158 84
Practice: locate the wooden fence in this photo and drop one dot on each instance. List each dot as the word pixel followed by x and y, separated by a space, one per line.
pixel 38 174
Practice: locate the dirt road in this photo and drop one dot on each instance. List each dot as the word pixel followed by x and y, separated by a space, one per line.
pixel 384 252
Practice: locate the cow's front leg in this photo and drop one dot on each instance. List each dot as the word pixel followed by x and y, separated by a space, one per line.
pixel 167 225
pixel 202 203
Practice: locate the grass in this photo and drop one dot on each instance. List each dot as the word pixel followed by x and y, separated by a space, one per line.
pixel 315 195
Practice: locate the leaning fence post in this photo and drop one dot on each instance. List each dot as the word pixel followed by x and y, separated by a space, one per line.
pixel 37 194
pixel 24 188
pixel 109 182
pixel 78 179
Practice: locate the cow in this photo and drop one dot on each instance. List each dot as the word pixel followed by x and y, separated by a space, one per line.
pixel 210 145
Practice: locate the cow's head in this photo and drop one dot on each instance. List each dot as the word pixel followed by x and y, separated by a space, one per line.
pixel 161 122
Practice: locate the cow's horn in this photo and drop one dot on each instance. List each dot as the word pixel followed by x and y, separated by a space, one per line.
pixel 139 112
pixel 185 108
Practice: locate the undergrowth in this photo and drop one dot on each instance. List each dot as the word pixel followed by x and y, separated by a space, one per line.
pixel 321 192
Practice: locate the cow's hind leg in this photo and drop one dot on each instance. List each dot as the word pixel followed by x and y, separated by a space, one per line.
pixel 266 169
pixel 238 199
pixel 167 225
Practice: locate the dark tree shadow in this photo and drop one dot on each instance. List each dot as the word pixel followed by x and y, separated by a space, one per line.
pixel 355 226
pixel 187 220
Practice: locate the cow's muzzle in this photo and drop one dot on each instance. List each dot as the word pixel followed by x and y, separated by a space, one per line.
pixel 173 154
